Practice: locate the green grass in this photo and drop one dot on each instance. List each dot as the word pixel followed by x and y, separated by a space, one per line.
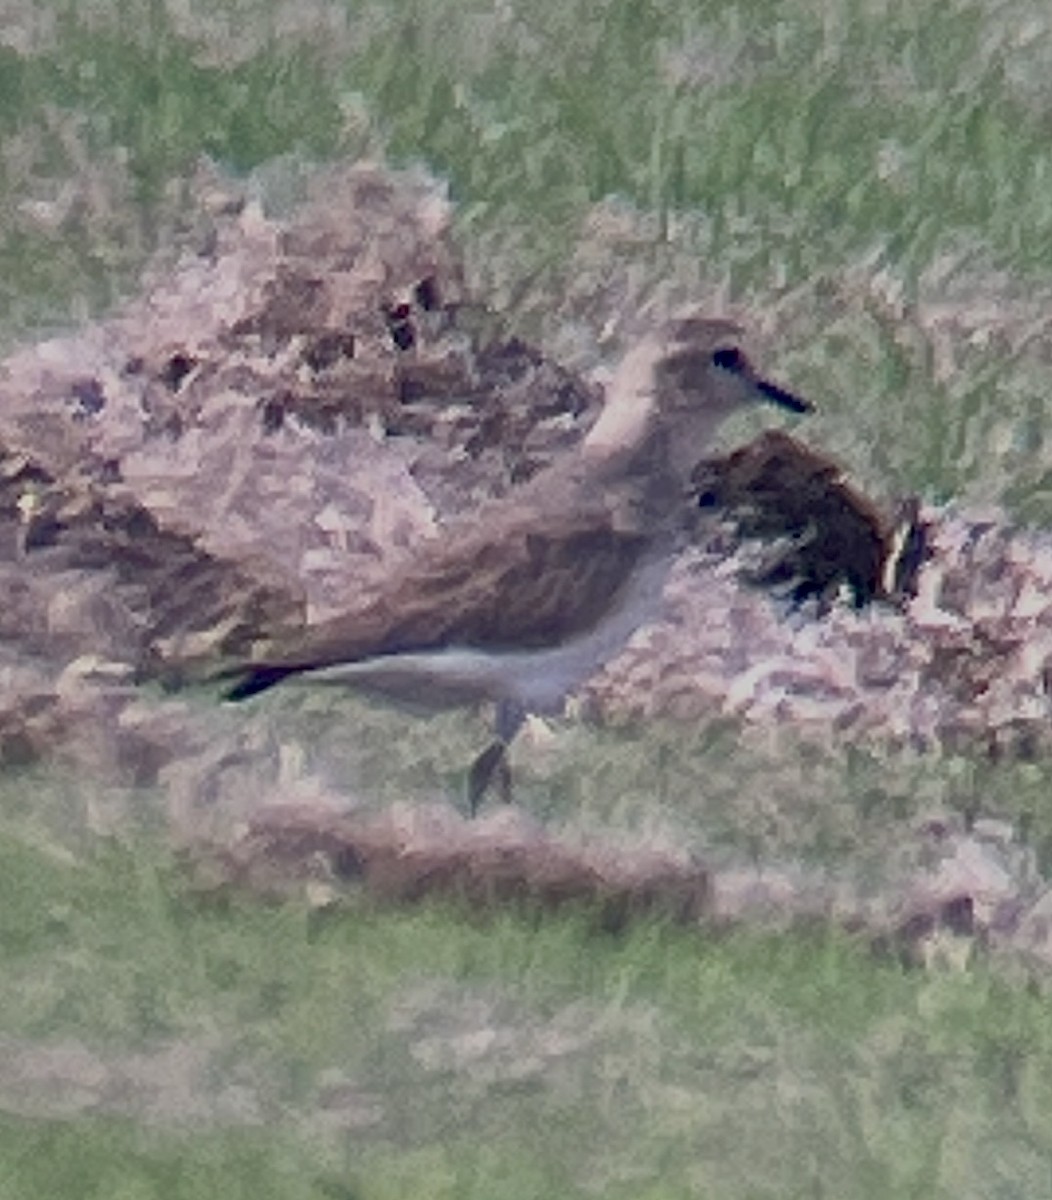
pixel 105 1160
pixel 871 182
pixel 532 1057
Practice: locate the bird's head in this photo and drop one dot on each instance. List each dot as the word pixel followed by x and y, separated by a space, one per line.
pixel 682 381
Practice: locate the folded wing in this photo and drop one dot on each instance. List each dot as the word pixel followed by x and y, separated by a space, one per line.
pixel 534 586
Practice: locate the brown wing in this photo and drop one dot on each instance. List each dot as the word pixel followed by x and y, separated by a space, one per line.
pixel 533 588
pixel 546 576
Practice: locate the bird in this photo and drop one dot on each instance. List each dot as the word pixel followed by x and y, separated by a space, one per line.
pixel 520 601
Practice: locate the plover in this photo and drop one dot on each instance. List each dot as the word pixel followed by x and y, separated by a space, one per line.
pixel 530 595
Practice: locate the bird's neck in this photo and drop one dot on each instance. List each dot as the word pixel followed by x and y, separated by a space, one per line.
pixel 642 469
pixel 626 423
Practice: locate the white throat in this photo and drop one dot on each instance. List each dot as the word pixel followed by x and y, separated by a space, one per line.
pixel 628 411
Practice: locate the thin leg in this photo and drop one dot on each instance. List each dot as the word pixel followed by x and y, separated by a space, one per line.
pixel 493 761
pixel 503 773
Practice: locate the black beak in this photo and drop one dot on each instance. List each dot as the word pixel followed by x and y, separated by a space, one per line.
pixel 730 358
pixel 784 399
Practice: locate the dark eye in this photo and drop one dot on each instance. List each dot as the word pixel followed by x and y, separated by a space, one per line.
pixel 730 358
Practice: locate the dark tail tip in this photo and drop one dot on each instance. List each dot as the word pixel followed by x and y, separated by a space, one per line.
pixel 253 680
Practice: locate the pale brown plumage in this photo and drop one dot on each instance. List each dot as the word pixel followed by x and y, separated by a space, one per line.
pixel 540 582
pixel 523 588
